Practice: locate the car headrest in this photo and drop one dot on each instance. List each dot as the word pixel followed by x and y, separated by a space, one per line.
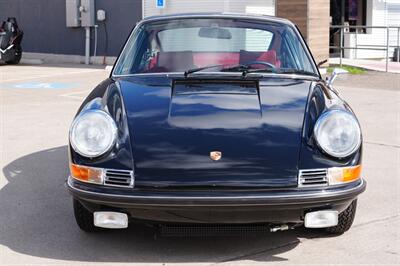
pixel 268 56
pixel 175 61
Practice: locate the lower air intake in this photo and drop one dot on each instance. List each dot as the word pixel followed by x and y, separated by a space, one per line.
pixel 212 230
pixel 313 177
pixel 119 178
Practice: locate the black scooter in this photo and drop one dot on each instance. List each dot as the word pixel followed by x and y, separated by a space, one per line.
pixel 10 41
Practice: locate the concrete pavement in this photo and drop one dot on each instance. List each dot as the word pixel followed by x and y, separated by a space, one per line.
pixel 37 227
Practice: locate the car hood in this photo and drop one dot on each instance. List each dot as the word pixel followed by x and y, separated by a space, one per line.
pixel 175 124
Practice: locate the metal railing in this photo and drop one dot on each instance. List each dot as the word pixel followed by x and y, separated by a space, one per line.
pixel 386 47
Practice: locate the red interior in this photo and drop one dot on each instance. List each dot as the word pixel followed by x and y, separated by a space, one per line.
pixel 268 56
pixel 203 59
pixel 180 61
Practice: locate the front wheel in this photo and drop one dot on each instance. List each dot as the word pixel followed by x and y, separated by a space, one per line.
pixel 346 219
pixel 84 218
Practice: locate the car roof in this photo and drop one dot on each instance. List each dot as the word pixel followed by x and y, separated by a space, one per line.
pixel 219 15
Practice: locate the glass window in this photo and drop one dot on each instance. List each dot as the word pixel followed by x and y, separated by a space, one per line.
pixel 178 45
pixel 241 39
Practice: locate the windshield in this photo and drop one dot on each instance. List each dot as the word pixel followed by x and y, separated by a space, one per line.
pixel 179 45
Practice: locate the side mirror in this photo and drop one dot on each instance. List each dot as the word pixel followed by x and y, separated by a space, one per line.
pixel 334 75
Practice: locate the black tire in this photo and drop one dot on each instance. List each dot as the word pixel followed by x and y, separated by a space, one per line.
pixel 346 219
pixel 84 218
pixel 17 57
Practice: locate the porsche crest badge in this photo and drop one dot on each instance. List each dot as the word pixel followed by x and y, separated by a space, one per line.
pixel 215 155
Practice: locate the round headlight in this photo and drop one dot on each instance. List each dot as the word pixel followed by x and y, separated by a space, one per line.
pixel 93 133
pixel 338 133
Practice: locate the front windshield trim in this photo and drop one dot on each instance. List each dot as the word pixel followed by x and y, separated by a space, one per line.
pixel 222 74
pixel 296 31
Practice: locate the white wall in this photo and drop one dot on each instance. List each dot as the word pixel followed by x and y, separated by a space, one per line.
pixel 266 7
pixel 379 13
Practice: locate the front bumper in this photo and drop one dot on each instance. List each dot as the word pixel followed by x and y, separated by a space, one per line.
pixel 222 206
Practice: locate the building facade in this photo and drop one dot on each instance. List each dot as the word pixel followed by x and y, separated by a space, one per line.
pixel 45 30
pixel 377 13
pixel 44 21
pixel 312 17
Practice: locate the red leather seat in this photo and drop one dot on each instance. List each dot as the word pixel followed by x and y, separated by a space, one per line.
pixel 174 61
pixel 268 56
pixel 202 59
pixel 181 61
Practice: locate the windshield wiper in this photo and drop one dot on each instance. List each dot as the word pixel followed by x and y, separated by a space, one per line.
pixel 238 67
pixel 297 71
pixel 197 69
pixel 245 69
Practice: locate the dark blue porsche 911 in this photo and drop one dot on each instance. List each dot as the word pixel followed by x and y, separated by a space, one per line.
pixel 215 119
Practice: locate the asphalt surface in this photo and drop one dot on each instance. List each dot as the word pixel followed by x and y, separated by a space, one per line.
pixel 37 227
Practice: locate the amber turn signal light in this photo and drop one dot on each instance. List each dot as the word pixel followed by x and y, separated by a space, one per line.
pixel 86 174
pixel 339 175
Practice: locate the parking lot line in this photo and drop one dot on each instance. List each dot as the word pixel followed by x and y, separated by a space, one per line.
pixel 73 94
pixel 84 71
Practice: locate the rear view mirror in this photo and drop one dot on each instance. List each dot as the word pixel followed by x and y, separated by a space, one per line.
pixel 214 33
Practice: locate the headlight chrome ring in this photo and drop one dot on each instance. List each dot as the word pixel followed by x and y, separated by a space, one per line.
pixel 93 133
pixel 338 133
